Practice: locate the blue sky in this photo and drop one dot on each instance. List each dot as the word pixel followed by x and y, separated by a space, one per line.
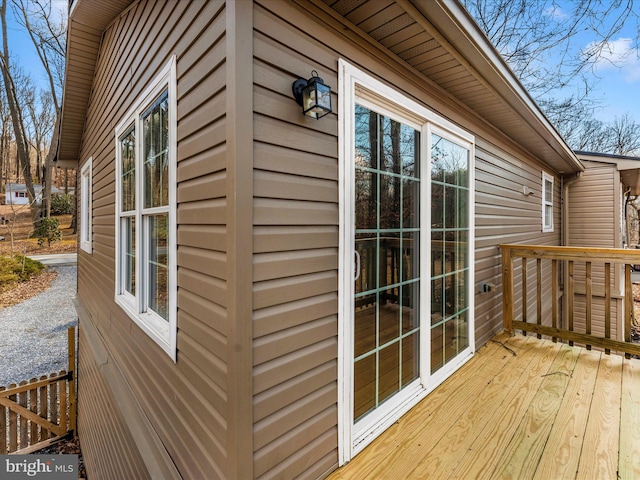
pixel 21 47
pixel 617 90
pixel 617 73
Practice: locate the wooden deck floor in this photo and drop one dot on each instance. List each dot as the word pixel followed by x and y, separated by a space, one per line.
pixel 540 411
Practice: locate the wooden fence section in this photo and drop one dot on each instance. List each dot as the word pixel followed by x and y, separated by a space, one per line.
pixel 36 413
pixel 562 259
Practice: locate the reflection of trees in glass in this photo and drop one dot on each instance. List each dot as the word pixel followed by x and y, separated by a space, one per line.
pixel 449 172
pixel 449 245
pixel 156 152
pixel 386 202
pixel 386 161
pixel 128 159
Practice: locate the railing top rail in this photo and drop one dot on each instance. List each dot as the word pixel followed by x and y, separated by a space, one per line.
pixel 37 384
pixel 614 255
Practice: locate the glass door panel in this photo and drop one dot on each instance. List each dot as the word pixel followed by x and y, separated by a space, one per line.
pixel 450 195
pixel 387 278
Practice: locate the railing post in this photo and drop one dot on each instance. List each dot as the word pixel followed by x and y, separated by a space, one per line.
pixel 588 298
pixel 507 289
pixel 539 292
pixel 524 290
pixel 607 304
pixel 71 336
pixel 570 291
pixel 554 295
pixel 628 305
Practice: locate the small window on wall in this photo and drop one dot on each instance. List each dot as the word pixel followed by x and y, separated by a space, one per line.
pixel 86 206
pixel 547 203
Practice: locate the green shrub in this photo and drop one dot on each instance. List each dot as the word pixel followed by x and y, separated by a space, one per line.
pixel 62 204
pixel 48 230
pixel 17 269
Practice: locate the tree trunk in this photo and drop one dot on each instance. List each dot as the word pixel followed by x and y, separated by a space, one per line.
pixel 16 116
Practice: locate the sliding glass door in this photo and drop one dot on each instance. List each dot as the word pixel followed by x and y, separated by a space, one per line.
pixel 406 308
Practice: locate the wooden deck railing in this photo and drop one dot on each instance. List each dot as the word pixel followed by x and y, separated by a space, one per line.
pixel 563 292
pixel 37 413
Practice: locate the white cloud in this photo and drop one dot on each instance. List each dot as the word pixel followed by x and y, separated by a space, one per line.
pixel 617 54
pixel 556 13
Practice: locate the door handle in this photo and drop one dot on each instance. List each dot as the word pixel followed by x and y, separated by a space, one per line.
pixel 357 272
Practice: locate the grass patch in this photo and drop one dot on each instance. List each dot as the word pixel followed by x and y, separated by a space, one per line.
pixel 17 269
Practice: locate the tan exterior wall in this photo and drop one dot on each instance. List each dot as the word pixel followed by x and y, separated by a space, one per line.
pixel 296 233
pixel 186 403
pixel 294 257
pixel 594 221
pixel 505 215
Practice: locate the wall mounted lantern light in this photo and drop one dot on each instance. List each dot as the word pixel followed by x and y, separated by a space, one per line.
pixel 313 96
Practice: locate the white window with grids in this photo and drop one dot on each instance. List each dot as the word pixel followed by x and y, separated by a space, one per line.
pixel 146 213
pixel 547 202
pixel 85 205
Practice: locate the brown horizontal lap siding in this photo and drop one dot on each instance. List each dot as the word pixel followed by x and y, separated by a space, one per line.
pixel 185 402
pixel 593 222
pixel 97 423
pixel 505 215
pixel 295 265
pixel 296 226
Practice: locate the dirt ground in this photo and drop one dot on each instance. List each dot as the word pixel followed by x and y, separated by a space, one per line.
pixel 18 226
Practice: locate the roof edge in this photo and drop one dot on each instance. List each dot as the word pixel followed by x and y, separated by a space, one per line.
pixel 485 59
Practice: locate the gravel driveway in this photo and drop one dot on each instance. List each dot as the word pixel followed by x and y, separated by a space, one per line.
pixel 33 334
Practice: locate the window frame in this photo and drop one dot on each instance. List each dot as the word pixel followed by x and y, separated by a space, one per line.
pixel 86 206
pixel 547 226
pixel 162 331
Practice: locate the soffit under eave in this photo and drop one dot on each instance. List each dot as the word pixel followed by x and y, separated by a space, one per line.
pixel 631 180
pixel 87 22
pixel 464 40
pixel 406 29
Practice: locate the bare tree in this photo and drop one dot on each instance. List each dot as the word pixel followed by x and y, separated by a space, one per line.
pixel 6 139
pixel 624 136
pixel 48 38
pixel 538 41
pixel 11 92
pixel 529 34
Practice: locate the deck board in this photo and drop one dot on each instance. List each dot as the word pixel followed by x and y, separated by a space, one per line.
pixel 629 461
pixel 565 441
pixel 523 453
pixel 599 459
pixel 550 411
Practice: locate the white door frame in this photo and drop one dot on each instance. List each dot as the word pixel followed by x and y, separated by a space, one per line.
pixel 354 83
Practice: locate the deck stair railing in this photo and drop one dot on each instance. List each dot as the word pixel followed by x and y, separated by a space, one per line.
pixel 570 272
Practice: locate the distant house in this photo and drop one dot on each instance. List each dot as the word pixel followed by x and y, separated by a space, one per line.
pixel 261 293
pixel 16 193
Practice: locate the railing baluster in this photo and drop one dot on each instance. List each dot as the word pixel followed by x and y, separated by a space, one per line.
pixel 3 427
pixel 628 305
pixel 24 423
pixel 33 406
pixel 524 293
pixel 554 295
pixel 607 303
pixel 570 298
pixel 539 292
pixel 588 300
pixel 507 289
pixel 13 423
pixel 43 408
